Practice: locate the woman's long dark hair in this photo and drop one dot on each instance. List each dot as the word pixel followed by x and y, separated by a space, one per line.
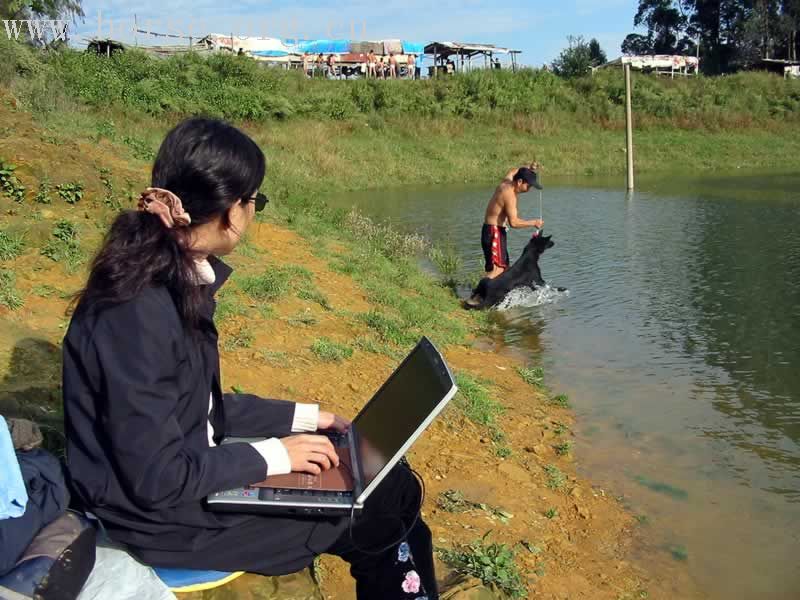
pixel 209 165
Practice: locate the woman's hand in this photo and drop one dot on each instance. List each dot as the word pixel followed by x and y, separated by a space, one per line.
pixel 331 421
pixel 310 453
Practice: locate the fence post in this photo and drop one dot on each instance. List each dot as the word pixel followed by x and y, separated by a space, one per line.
pixel 629 125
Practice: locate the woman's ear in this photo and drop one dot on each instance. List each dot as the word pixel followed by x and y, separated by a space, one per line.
pixel 229 216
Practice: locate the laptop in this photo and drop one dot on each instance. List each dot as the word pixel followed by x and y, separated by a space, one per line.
pixel 379 437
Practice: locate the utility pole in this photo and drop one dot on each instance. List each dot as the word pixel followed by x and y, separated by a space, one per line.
pixel 628 124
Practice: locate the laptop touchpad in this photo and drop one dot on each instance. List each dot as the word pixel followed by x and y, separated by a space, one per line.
pixel 339 479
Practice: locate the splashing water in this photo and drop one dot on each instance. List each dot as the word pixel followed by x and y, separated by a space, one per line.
pixel 526 297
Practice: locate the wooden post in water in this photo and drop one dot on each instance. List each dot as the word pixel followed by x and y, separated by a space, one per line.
pixel 628 124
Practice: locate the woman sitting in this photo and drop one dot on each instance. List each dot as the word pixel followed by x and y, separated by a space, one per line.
pixel 144 407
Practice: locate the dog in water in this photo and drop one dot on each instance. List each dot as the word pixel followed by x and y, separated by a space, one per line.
pixel 524 272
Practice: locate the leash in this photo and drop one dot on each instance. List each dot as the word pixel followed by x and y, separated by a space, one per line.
pixel 541 204
pixel 541 210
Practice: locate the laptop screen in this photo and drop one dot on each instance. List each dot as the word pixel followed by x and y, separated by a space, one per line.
pixel 400 408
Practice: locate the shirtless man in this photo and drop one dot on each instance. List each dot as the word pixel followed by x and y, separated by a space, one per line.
pixel 392 66
pixel 502 213
pixel 372 64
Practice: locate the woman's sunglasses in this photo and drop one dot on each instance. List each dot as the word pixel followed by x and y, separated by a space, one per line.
pixel 260 201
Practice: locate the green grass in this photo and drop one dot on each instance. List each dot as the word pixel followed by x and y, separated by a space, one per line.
pixel 11 246
pixel 561 400
pixel 533 376
pixel 329 351
pixel 494 564
pixel 228 305
pixel 368 343
pixel 64 246
pixel 305 319
pixel 240 89
pixel 276 282
pixel 269 286
pixel 45 291
pixel 447 260
pixel 474 400
pixel 563 448
pixel 9 296
pixel 488 118
pixel 551 513
pixel 240 337
pixel 310 293
pixel 388 329
pixel 275 358
pixel 556 480
pixel 247 249
pixel 139 148
pixel 503 451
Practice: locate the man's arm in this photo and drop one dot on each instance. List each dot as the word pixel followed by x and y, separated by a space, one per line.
pixel 513 218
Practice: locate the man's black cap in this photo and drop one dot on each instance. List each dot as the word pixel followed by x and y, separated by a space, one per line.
pixel 529 176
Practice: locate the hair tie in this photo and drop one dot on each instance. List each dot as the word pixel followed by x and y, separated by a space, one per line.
pixel 166 205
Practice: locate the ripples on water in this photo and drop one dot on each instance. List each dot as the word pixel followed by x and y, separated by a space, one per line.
pixel 528 298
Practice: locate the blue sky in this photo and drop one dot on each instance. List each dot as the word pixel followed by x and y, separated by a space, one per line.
pixel 538 28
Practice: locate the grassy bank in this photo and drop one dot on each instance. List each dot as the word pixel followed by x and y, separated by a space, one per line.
pixel 323 135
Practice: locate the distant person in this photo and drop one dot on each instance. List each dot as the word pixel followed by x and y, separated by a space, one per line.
pixel 331 66
pixel 307 65
pixel 411 66
pixel 392 66
pixel 381 67
pixel 372 64
pixel 320 62
pixel 502 214
pixel 497 64
pixel 240 52
pixel 450 67
pixel 418 66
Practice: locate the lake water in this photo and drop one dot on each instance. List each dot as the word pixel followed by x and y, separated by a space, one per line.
pixel 679 347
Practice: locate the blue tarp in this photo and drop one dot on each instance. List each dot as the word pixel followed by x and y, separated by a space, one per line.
pixel 323 46
pixel 413 47
pixel 270 53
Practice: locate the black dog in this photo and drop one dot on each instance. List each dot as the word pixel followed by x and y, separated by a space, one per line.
pixel 524 272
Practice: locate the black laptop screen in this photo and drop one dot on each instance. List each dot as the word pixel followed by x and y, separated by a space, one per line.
pixel 399 408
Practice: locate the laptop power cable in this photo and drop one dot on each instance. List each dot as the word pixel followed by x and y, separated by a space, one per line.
pixel 403 537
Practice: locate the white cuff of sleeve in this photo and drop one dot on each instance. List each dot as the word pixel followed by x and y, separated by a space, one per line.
pixel 276 456
pixel 306 417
